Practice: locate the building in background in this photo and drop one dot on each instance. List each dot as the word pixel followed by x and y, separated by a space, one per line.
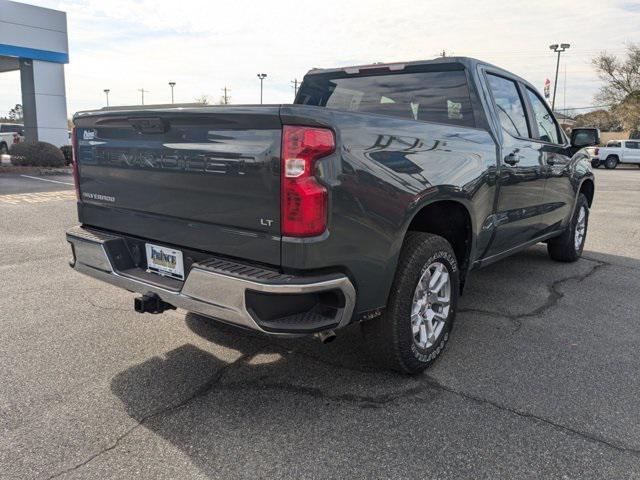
pixel 566 122
pixel 34 41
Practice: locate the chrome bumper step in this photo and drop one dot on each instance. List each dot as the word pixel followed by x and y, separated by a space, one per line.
pixel 216 287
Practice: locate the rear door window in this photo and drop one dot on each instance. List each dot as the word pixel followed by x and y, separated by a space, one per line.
pixel 441 97
pixel 548 130
pixel 509 105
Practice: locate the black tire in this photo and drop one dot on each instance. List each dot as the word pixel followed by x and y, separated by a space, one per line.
pixel 390 337
pixel 611 162
pixel 563 248
pixel 595 163
pixel 4 150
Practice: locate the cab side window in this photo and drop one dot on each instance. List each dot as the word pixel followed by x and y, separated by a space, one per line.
pixel 547 126
pixel 509 105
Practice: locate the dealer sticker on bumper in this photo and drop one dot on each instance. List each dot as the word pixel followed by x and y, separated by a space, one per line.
pixel 165 261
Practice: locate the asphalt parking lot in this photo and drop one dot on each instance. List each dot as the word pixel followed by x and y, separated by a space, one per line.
pixel 540 379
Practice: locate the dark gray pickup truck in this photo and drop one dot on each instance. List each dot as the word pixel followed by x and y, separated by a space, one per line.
pixel 368 200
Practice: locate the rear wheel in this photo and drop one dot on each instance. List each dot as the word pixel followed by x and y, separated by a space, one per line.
pixel 568 246
pixel 595 163
pixel 415 328
pixel 611 162
pixel 3 149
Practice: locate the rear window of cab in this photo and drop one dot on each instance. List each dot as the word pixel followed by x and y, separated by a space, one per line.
pixel 433 96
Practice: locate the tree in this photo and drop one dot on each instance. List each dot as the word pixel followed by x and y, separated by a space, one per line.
pixel 622 85
pixel 16 114
pixel 602 119
pixel 202 100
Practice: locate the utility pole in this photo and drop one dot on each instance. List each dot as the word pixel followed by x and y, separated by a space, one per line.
pixel 225 97
pixel 558 49
pixel 172 84
pixel 295 87
pixel 143 91
pixel 106 92
pixel 261 76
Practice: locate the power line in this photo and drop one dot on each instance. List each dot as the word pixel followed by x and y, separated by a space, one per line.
pixel 588 108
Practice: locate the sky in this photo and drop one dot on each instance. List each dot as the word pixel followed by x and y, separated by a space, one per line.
pixel 126 45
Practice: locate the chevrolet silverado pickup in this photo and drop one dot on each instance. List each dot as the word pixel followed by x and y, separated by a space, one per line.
pixel 615 153
pixel 366 201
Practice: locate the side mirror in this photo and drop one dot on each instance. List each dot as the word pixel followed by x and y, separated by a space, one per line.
pixel 585 137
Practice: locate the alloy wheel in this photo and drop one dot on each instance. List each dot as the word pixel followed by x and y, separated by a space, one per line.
pixel 431 304
pixel 581 228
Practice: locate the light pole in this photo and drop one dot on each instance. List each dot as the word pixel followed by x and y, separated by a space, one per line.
pixel 558 49
pixel 106 92
pixel 172 84
pixel 261 76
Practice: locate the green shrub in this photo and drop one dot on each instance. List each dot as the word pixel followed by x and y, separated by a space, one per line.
pixel 36 154
pixel 67 151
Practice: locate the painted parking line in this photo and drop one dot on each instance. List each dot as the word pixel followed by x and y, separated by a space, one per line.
pixel 47 180
pixel 40 197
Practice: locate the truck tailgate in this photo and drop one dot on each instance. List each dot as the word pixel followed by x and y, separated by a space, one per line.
pixel 202 178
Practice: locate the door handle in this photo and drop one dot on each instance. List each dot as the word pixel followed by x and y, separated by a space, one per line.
pixel 512 159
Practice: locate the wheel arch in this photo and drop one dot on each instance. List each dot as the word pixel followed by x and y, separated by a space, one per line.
pixel 587 187
pixel 456 228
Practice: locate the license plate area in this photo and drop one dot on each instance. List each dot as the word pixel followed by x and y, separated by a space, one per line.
pixel 165 261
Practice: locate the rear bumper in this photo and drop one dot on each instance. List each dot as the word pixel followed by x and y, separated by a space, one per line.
pixel 239 294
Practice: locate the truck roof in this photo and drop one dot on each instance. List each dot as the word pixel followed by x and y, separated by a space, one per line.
pixel 468 62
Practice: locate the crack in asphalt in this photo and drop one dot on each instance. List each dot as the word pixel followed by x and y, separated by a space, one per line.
pixel 362 401
pixel 554 296
pixel 411 394
pixel 201 391
pixel 531 416
pixel 630 267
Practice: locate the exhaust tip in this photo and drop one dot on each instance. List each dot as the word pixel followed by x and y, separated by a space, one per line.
pixel 326 336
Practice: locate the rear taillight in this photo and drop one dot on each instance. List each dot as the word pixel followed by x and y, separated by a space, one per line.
pixel 74 161
pixel 303 199
pixel 16 138
pixel 596 151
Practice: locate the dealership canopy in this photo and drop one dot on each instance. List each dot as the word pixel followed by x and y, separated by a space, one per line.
pixel 34 41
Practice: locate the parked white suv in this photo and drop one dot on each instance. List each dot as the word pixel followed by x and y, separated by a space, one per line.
pixel 10 133
pixel 616 152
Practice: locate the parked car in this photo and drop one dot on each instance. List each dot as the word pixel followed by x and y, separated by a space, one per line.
pixel 368 200
pixel 10 133
pixel 615 153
